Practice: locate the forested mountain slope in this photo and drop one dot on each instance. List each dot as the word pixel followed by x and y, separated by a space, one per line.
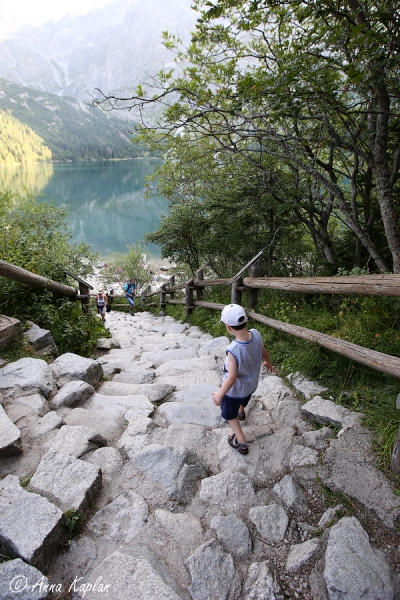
pixel 19 143
pixel 69 127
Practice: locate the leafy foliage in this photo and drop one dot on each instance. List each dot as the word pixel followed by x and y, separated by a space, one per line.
pixel 305 96
pixel 35 237
pixel 119 268
pixel 73 521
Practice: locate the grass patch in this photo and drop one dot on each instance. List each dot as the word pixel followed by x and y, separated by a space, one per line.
pixel 14 349
pixel 332 498
pixel 6 555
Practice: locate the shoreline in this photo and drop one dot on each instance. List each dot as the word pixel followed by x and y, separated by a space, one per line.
pixel 78 162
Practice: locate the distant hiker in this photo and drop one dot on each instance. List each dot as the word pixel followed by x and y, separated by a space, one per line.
pixel 130 292
pixel 101 303
pixel 240 373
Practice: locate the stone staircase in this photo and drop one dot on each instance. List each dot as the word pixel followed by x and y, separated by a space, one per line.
pixel 133 442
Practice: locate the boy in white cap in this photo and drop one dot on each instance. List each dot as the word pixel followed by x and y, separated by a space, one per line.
pixel 241 372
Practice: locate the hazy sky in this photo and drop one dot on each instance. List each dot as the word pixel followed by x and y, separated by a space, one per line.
pixel 37 12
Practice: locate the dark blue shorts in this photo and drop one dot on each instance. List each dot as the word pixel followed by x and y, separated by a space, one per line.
pixel 230 406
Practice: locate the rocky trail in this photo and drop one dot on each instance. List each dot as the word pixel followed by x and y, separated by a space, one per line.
pixel 134 445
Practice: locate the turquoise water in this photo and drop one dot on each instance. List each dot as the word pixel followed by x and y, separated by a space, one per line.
pixel 104 200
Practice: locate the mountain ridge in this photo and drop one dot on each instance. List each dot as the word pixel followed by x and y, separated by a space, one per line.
pixel 112 48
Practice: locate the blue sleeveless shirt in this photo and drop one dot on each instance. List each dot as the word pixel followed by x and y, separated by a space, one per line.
pixel 248 359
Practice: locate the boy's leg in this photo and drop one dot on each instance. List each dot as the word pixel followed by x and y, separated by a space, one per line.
pixel 237 430
pixel 229 411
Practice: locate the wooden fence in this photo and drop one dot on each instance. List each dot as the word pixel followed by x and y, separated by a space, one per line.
pixel 44 283
pixel 369 285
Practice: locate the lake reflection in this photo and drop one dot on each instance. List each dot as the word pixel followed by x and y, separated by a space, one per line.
pixel 104 200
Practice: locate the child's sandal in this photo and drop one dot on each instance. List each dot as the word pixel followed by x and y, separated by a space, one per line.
pixel 241 416
pixel 239 446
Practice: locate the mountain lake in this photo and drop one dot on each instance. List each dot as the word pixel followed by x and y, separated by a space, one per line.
pixel 104 200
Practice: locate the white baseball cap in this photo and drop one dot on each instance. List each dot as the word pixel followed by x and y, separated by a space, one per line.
pixel 233 315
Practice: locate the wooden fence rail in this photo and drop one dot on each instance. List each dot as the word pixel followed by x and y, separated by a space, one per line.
pixel 370 285
pixel 23 276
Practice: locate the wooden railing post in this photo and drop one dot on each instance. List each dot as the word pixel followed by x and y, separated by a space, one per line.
pixel 189 298
pixel 199 291
pixel 172 283
pixel 163 303
pixel 84 291
pixel 253 294
pixel 236 295
pixel 144 294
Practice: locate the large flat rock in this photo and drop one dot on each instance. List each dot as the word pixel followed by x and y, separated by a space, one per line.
pixel 46 424
pixel 40 339
pixel 214 347
pixel 262 583
pixel 120 520
pixel 171 327
pixel 135 434
pixel 22 581
pixel 270 521
pixel 77 440
pixel 154 391
pixel 231 492
pixel 184 529
pixel 175 470
pixel 326 411
pixel 116 406
pixel 190 412
pixel 10 436
pixel 9 328
pixel 161 357
pixel 22 406
pixel 134 572
pixel 27 375
pixel 66 481
pixel 109 426
pixel 30 525
pixel 353 568
pixel 350 467
pixel 193 437
pixel 72 393
pixel 70 366
pixel 136 376
pixel 305 386
pixel 289 491
pixel 233 535
pixel 269 453
pixel 204 366
pixel 212 571
pixel 109 460
pixel 182 381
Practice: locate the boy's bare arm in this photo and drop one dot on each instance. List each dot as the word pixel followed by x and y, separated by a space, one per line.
pixel 267 363
pixel 229 381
